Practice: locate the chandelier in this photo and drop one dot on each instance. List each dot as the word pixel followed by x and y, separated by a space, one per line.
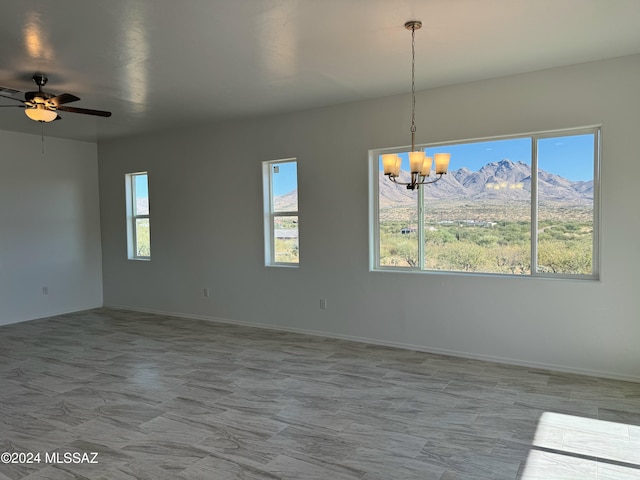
pixel 419 164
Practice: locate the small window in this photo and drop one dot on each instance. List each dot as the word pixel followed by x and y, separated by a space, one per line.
pixel 138 227
pixel 280 179
pixel 519 205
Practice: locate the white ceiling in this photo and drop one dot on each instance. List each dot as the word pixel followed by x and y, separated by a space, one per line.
pixel 158 64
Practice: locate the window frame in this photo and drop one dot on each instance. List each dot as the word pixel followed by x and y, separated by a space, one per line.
pixel 374 206
pixel 270 214
pixel 133 216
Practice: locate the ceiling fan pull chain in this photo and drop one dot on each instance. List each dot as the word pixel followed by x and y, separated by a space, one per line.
pixel 42 135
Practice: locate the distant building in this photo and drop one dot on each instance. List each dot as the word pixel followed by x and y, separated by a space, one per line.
pixel 286 233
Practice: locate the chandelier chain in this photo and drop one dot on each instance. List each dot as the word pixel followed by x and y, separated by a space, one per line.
pixel 413 87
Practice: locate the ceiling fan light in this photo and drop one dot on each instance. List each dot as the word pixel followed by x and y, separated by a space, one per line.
pixel 41 114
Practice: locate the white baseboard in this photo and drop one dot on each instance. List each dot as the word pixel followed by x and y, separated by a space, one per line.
pixel 53 313
pixel 385 343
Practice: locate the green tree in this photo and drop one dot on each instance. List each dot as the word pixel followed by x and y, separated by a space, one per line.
pixel 514 259
pixel 569 257
pixel 464 256
pixel 438 237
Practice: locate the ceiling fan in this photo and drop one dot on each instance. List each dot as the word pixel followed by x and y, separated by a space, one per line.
pixel 43 106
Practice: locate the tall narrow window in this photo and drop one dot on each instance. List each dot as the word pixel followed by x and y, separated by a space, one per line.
pixel 138 227
pixel 280 179
pixel 522 205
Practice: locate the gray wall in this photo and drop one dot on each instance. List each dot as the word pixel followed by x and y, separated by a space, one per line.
pixel 49 227
pixel 206 214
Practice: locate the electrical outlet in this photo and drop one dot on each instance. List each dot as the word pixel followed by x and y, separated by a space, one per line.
pixel 323 303
pixel 205 292
pixel 45 290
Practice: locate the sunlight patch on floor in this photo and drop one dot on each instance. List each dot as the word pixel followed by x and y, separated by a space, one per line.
pixel 567 447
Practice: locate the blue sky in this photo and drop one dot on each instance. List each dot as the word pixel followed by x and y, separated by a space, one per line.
pixel 570 156
pixel 286 179
pixel 142 186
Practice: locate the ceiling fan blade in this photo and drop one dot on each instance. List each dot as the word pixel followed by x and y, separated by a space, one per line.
pixel 63 98
pixel 13 106
pixel 86 111
pixel 12 98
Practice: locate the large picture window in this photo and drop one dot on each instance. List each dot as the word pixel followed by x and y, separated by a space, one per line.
pixel 138 223
pixel 521 205
pixel 280 178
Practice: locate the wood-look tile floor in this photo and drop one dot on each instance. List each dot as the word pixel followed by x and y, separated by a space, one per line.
pixel 169 398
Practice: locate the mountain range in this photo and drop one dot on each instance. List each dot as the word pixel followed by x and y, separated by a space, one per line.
pixel 503 180
pixel 286 202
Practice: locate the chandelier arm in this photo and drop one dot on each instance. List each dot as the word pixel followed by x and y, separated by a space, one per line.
pixel 393 179
pixel 421 182
pixel 414 183
pixel 432 181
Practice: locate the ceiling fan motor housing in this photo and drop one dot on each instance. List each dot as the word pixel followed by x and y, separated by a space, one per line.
pixel 28 96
